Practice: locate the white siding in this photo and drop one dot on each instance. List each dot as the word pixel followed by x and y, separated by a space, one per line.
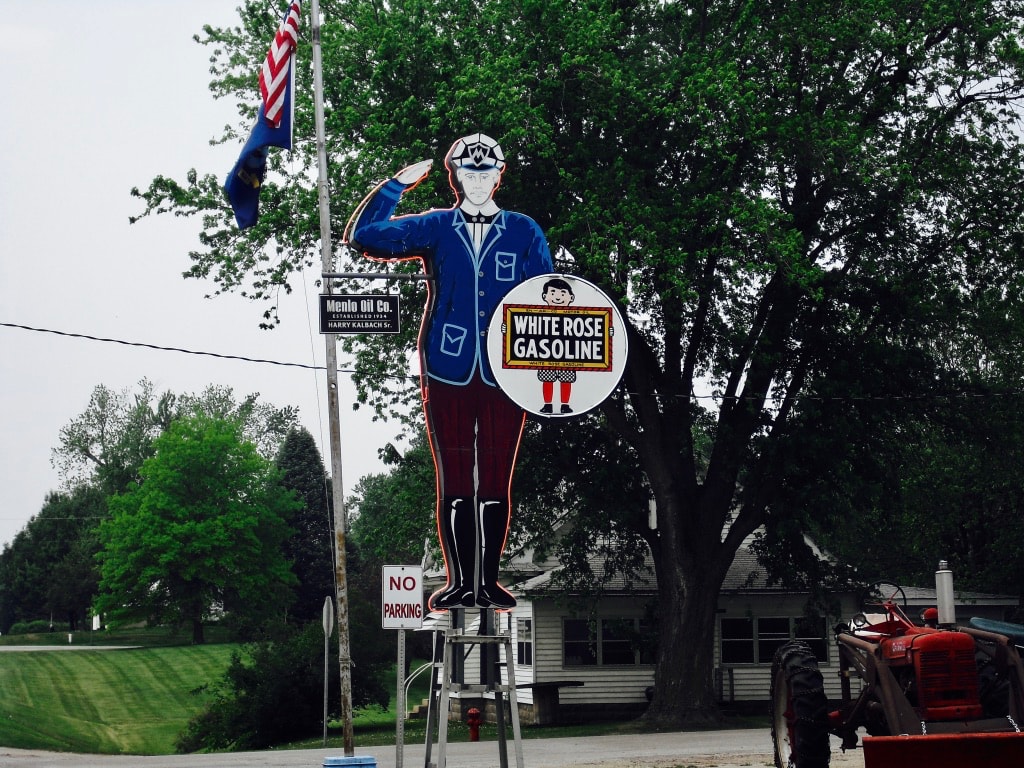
pixel 601 684
pixel 524 673
pixel 627 684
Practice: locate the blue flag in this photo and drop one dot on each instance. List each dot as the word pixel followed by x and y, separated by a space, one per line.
pixel 273 126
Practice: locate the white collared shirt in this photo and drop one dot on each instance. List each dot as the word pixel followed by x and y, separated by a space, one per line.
pixel 477 230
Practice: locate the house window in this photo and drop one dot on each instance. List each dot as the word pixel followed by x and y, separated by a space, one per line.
pixel 617 641
pixel 579 644
pixel 524 642
pixel 648 644
pixel 750 640
pixel 772 634
pixel 811 629
pixel 737 641
pixel 607 642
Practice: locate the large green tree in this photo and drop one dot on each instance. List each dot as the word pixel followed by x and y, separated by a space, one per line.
pixel 48 570
pixel 395 509
pixel 796 204
pixel 202 533
pixel 945 487
pixel 309 548
pixel 106 444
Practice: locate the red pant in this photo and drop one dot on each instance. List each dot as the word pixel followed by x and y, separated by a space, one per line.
pixel 473 427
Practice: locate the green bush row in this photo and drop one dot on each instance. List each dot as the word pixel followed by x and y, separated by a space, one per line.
pixel 31 627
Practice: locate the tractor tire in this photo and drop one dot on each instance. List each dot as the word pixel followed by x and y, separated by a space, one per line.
pixel 799 709
pixel 993 688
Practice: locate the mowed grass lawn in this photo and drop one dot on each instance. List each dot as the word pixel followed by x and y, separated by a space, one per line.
pixel 126 701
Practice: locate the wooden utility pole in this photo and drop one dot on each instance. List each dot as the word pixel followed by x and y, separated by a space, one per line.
pixel 333 405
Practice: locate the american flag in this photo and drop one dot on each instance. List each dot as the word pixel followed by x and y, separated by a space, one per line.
pixel 273 126
pixel 276 68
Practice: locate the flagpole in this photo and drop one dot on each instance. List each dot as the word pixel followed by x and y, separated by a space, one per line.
pixel 340 522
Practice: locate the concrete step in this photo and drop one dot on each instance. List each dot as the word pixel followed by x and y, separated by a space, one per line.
pixel 419 712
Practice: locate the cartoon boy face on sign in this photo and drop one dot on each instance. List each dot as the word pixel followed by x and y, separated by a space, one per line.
pixel 474 253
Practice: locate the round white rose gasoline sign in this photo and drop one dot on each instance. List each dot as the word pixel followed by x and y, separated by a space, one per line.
pixel 557 345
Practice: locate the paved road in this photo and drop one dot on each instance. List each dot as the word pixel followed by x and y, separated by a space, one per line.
pixel 660 750
pixel 69 647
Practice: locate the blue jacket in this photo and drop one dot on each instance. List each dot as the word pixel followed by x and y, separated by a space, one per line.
pixel 466 286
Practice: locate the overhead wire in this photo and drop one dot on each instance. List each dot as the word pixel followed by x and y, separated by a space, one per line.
pixel 910 396
pixel 182 350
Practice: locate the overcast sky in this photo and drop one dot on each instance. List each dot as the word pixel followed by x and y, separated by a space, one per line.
pixel 97 99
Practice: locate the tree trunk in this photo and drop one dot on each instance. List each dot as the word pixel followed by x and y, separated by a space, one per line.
pixel 691 561
pixel 684 693
pixel 198 638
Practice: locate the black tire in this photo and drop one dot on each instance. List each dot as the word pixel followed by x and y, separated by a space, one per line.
pixel 799 709
pixel 993 688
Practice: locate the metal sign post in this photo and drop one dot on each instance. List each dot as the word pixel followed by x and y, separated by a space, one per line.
pixel 401 609
pixel 328 620
pixel 401 703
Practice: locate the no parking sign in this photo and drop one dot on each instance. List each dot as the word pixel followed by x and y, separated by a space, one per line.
pixel 402 597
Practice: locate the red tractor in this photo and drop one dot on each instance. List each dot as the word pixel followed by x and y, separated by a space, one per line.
pixel 944 694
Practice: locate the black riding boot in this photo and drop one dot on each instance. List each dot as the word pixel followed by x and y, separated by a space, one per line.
pixel 457 527
pixel 494 519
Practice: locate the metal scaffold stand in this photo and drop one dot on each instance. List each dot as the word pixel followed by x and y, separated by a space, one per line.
pixel 449 652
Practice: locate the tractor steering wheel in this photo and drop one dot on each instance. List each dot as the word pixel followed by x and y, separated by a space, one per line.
pixel 882 592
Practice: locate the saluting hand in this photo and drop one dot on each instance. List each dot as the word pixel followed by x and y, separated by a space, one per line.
pixel 413 174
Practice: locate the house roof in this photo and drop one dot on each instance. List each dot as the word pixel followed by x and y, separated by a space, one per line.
pixel 922 596
pixel 643 583
pixel 746 575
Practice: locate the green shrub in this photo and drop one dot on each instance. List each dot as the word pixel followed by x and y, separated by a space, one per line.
pixel 31 627
pixel 274 693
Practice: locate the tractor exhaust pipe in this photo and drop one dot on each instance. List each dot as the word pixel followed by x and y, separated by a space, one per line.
pixel 944 595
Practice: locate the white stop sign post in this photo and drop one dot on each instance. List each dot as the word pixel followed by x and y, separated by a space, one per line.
pixel 401 609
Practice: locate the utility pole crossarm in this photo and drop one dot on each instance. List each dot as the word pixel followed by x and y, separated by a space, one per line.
pixel 375 276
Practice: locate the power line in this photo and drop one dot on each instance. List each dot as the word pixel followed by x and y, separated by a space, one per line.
pixel 165 349
pixel 693 396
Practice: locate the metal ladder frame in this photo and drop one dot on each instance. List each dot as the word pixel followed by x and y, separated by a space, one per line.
pixel 440 691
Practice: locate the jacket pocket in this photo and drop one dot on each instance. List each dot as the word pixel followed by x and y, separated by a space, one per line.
pixel 452 338
pixel 504 266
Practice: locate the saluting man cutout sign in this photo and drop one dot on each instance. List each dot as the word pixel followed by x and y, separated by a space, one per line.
pixel 474 254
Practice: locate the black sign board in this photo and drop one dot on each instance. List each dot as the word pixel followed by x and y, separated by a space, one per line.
pixel 370 313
